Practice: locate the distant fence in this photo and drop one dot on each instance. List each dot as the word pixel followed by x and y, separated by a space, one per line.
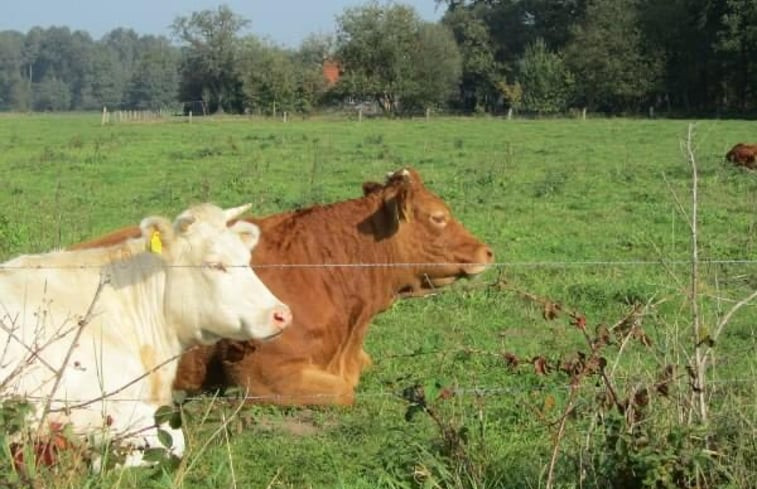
pixel 118 116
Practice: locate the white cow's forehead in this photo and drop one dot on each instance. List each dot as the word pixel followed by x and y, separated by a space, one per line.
pixel 207 241
pixel 206 213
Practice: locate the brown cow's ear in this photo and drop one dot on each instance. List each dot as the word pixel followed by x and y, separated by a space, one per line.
pixel 371 187
pixel 398 201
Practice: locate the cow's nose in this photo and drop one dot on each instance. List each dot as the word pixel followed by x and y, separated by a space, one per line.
pixel 281 317
pixel 485 255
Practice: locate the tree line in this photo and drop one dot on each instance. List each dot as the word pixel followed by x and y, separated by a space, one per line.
pixel 483 56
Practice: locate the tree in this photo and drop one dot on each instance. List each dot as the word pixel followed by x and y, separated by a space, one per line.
pixel 107 87
pixel 373 48
pixel 437 66
pixel 481 73
pixel 546 81
pixel 52 94
pixel 737 44
pixel 210 56
pixel 384 54
pixel 268 76
pixel 62 58
pixel 14 94
pixel 607 54
pixel 309 59
pixel 154 81
pixel 683 33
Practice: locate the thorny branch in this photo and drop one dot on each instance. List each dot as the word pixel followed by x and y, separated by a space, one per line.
pixel 104 280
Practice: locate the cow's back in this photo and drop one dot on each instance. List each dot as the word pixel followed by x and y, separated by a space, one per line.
pixel 743 154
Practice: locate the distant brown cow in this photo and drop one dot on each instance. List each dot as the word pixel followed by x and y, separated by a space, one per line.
pixel 743 155
pixel 319 358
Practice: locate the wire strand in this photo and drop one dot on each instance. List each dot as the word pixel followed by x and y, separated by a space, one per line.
pixel 504 264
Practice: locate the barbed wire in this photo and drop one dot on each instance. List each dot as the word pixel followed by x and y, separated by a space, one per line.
pixel 501 264
pixel 469 391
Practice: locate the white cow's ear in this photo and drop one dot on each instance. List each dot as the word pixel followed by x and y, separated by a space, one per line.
pixel 182 223
pixel 248 232
pixel 157 232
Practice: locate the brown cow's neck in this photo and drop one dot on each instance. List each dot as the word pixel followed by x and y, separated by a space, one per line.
pixel 344 233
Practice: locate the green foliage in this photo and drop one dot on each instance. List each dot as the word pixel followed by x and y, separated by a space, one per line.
pixel 547 83
pixel 390 56
pixel 51 94
pixel 678 56
pixel 209 67
pixel 607 55
pixel 154 81
pixel 269 77
pixel 480 70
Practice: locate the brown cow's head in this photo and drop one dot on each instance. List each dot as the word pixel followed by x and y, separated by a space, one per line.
pixel 425 233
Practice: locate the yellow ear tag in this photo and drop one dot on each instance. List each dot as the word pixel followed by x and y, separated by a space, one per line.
pixel 155 245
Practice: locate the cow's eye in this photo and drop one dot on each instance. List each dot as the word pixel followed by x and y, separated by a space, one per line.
pixel 439 219
pixel 217 265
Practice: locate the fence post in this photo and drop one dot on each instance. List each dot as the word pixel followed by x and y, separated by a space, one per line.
pixel 104 118
pixel 360 114
pixel 190 116
pixel 509 113
pixel 285 116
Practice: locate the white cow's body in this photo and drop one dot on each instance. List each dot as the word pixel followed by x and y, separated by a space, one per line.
pixel 193 287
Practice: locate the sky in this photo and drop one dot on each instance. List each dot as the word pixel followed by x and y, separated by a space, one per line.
pixel 285 22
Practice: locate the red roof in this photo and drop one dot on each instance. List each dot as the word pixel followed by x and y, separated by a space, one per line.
pixel 331 71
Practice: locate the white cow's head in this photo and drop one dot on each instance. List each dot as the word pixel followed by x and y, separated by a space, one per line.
pixel 211 291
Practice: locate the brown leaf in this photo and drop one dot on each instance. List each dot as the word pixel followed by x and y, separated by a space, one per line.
pixel 551 310
pixel 603 336
pixel 541 367
pixel 641 397
pixel 511 360
pixel 446 393
pixel 664 379
pixel 578 321
pixel 549 403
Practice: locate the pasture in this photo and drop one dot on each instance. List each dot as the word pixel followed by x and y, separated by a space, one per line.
pixel 591 215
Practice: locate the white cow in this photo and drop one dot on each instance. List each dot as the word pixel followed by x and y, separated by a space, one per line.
pixel 176 286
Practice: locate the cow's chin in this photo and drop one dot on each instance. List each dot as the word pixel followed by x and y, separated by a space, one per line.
pixel 443 281
pixel 429 285
pixel 466 271
pixel 209 338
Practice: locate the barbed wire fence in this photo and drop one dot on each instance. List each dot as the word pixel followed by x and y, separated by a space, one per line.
pixel 463 391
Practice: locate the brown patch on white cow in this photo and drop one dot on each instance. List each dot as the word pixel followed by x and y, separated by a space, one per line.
pixel 147 357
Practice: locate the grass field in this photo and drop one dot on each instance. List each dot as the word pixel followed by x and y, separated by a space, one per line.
pixel 584 213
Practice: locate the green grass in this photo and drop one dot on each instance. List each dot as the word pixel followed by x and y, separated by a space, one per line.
pixel 562 202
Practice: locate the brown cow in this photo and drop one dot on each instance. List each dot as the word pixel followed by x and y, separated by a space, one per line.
pixel 743 155
pixel 399 239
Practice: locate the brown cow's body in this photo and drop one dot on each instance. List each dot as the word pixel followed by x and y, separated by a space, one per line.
pixel 743 155
pixel 319 358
